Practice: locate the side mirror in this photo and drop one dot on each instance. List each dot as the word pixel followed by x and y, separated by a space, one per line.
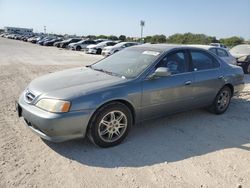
pixel 160 72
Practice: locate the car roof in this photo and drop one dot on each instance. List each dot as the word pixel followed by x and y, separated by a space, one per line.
pixel 168 47
pixel 206 47
pixel 157 47
pixel 164 47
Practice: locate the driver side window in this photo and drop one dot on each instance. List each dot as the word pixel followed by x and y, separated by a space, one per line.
pixel 176 62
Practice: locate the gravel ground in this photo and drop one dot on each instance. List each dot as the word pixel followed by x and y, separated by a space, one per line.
pixel 191 149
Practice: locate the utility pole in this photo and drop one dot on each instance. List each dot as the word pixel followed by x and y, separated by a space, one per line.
pixel 44 27
pixel 142 24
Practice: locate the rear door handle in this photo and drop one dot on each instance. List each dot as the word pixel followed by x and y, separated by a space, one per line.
pixel 221 77
pixel 188 82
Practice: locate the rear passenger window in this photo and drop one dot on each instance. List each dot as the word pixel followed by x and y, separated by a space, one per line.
pixel 203 61
pixel 222 53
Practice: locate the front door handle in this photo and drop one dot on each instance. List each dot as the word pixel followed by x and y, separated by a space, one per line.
pixel 221 77
pixel 188 82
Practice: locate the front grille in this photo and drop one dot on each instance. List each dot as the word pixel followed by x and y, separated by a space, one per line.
pixel 29 96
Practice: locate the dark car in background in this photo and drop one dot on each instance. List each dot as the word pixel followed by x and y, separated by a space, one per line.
pixel 52 42
pixel 242 54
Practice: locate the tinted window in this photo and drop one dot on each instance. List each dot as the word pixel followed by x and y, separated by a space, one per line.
pixel 129 44
pixel 203 61
pixel 175 62
pixel 111 44
pixel 86 42
pixel 222 53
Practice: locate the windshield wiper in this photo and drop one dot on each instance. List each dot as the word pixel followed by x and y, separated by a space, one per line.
pixel 105 71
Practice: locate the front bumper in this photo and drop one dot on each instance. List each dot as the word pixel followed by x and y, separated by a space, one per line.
pixel 55 127
pixel 92 51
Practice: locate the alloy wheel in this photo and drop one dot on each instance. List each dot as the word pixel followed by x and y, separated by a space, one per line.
pixel 223 100
pixel 112 126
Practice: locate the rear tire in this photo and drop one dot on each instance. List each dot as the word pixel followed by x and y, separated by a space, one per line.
pixel 221 101
pixel 78 48
pixel 110 125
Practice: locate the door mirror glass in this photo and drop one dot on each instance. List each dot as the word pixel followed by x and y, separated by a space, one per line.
pixel 161 72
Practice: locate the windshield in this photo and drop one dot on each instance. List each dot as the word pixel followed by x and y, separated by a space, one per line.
pixel 128 63
pixel 241 49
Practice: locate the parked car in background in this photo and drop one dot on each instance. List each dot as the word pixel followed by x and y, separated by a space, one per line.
pixel 35 39
pixel 242 54
pixel 109 50
pixel 65 43
pixel 223 53
pixel 218 45
pixel 45 39
pixel 97 48
pixel 81 44
pixel 52 41
pixel 26 38
pixel 139 83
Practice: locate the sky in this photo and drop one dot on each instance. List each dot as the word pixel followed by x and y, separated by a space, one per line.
pixel 220 18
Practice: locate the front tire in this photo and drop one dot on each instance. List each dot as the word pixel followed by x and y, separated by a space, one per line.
pixel 110 125
pixel 221 101
pixel 99 51
pixel 247 68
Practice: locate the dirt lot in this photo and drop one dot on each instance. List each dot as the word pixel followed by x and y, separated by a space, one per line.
pixel 192 149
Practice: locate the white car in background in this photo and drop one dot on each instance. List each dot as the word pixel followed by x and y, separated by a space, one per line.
pixel 97 48
pixel 109 50
pixel 223 53
pixel 81 44
pixel 218 45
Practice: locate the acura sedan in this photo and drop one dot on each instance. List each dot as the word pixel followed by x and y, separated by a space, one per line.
pixel 139 83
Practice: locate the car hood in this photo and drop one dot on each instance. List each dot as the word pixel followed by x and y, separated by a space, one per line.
pixel 238 55
pixel 72 44
pixel 72 82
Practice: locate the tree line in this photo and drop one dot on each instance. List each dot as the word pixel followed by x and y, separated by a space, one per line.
pixel 186 38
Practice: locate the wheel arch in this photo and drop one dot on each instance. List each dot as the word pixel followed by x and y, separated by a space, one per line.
pixel 122 101
pixel 78 46
pixel 231 87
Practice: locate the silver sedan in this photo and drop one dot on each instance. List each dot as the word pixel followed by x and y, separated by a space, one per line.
pixel 139 83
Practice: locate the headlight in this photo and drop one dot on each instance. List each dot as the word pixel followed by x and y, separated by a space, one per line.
pixel 53 105
pixel 244 58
